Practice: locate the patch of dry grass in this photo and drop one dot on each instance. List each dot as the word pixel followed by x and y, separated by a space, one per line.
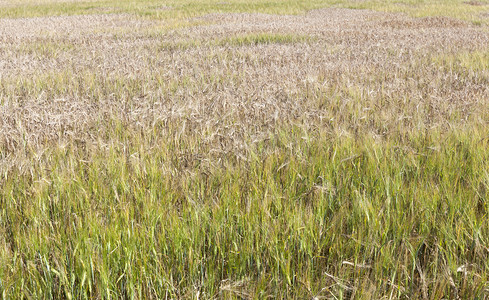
pixel 61 27
pixel 350 78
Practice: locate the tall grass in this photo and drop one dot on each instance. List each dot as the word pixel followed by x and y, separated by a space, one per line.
pixel 248 156
pixel 299 218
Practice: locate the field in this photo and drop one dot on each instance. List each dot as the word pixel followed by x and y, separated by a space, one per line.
pixel 244 149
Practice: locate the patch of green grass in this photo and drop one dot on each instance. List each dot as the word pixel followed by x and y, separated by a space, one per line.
pixel 263 38
pixel 253 39
pixel 477 61
pixel 115 222
pixel 169 9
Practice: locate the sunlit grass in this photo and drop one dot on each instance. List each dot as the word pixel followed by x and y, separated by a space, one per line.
pixel 104 223
pixel 472 11
pixel 167 160
pixel 264 38
pixel 469 61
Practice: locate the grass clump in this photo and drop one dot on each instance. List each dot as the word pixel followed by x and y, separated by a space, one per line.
pixel 263 38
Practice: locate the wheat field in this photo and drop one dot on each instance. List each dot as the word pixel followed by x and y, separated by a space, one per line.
pixel 244 149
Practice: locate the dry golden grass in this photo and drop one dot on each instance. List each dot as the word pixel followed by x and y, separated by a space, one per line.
pixel 349 77
pixel 64 27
